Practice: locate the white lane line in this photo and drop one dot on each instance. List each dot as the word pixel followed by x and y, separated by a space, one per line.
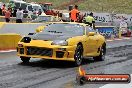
pixel 126 38
pixel 6 51
pixel 109 40
pixel 117 39
pixel 129 85
pixel 123 38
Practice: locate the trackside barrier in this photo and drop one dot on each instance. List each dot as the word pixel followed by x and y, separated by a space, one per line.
pixel 22 29
pixel 9 41
pixel 13 19
pixel 109 32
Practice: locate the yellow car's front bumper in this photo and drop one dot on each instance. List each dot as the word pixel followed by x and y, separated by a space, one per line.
pixel 55 52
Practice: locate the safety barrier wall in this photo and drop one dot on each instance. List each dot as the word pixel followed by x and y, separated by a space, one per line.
pixel 22 29
pixel 9 41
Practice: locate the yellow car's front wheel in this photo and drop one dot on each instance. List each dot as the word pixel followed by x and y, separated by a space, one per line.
pixel 78 56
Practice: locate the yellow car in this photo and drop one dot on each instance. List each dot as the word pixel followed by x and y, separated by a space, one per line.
pixel 63 41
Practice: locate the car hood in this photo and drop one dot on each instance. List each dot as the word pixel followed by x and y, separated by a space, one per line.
pixel 51 37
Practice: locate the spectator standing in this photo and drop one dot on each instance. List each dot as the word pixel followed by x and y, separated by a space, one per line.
pixel 74 14
pixel 123 27
pixel 10 9
pixel 90 20
pixel 19 16
pixel 3 8
pixel 0 11
pixel 39 12
pixel 7 15
pixel 34 16
pixel 14 11
pixel 25 13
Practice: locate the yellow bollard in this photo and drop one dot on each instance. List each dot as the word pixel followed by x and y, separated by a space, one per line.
pixel 2 24
pixel 40 28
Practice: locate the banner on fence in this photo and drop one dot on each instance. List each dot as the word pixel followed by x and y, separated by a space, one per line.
pixel 111 17
pixel 102 17
pixel 108 32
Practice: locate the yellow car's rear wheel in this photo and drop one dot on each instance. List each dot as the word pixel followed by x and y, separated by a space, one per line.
pixel 101 56
pixel 78 55
pixel 25 59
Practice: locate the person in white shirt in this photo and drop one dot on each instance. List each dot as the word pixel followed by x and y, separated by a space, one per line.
pixel 19 16
pixel 123 26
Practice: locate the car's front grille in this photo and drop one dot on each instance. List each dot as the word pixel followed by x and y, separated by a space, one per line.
pixel 59 54
pixel 39 51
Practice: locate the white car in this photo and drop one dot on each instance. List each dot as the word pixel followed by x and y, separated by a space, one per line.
pixel 36 7
pixel 65 17
pixel 46 18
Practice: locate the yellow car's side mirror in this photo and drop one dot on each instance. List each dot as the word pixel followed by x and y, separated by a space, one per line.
pixel 40 28
pixel 91 33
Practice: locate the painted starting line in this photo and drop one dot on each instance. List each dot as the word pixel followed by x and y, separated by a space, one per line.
pixel 129 85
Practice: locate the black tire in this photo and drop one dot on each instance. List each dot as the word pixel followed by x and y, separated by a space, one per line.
pixel 25 59
pixel 80 80
pixel 101 56
pixel 78 56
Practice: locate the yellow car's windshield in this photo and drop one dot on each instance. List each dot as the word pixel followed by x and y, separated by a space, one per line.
pixel 65 29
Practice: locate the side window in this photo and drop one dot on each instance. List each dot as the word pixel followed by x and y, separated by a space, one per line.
pixel 89 29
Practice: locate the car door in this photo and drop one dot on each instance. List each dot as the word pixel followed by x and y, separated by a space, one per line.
pixel 91 42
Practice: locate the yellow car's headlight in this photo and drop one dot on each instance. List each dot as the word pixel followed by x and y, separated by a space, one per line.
pixel 60 42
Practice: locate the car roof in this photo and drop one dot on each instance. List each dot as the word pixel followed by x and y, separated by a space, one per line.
pixel 34 4
pixel 19 1
pixel 68 23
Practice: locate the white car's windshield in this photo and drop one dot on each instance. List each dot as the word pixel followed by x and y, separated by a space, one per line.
pixel 23 6
pixel 37 8
pixel 30 8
